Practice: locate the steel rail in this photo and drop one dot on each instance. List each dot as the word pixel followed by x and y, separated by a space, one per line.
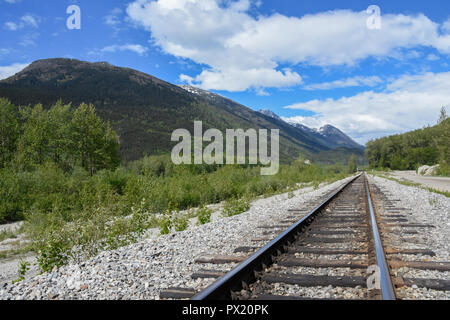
pixel 234 280
pixel 387 289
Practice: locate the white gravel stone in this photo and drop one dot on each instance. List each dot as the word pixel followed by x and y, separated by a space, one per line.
pixel 424 207
pixel 142 270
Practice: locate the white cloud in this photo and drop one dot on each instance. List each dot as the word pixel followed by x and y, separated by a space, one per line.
pixel 13 1
pixel 8 71
pixel 446 26
pixel 226 39
pixel 4 51
pixel 137 48
pixel 29 39
pixel 236 79
pixel 29 21
pixel 345 83
pixel 409 102
pixel 202 31
pixel 432 57
pixel 11 26
pixel 112 19
pixel 25 21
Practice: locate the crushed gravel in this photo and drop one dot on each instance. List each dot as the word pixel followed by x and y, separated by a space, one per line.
pixel 142 270
pixel 423 207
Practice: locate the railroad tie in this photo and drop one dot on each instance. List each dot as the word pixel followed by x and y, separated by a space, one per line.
pixel 306 280
pixel 325 251
pixel 206 274
pixel 177 293
pixel 321 263
pixel 220 259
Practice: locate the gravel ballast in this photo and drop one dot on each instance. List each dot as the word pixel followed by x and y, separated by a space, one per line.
pixel 142 270
pixel 423 207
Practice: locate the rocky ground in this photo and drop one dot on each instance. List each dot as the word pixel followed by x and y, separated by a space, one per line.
pixel 423 207
pixel 12 243
pixel 142 270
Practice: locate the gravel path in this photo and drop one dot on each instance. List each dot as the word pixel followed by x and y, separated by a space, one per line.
pixel 142 270
pixel 428 208
pixel 9 266
pixel 438 183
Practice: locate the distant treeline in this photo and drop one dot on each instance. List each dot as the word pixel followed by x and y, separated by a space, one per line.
pixel 427 146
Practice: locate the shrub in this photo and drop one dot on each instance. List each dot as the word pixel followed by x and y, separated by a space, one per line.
pixel 165 224
pixel 23 268
pixel 203 215
pixel 234 207
pixel 180 222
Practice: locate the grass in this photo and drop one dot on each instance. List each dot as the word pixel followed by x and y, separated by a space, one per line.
pixel 7 234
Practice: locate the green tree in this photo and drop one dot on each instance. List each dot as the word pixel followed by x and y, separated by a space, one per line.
pixel 443 141
pixel 352 165
pixel 443 116
pixel 95 143
pixel 59 117
pixel 9 131
pixel 34 143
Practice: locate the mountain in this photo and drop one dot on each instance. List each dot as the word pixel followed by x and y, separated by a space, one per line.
pixel 330 136
pixel 269 113
pixel 145 110
pixel 338 138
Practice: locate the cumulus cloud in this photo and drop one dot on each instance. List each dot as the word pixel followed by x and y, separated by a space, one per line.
pixel 8 71
pixel 202 31
pixel 345 83
pixel 446 26
pixel 239 50
pixel 407 103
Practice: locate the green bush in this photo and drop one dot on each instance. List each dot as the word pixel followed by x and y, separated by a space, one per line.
pixel 234 207
pixel 165 224
pixel 203 215
pixel 180 222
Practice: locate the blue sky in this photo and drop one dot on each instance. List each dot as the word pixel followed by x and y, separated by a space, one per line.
pixel 313 62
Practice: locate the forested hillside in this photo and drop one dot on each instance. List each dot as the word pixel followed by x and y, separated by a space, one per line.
pixel 145 110
pixel 408 151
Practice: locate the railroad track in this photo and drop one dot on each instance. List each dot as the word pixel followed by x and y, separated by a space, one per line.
pixel 342 244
